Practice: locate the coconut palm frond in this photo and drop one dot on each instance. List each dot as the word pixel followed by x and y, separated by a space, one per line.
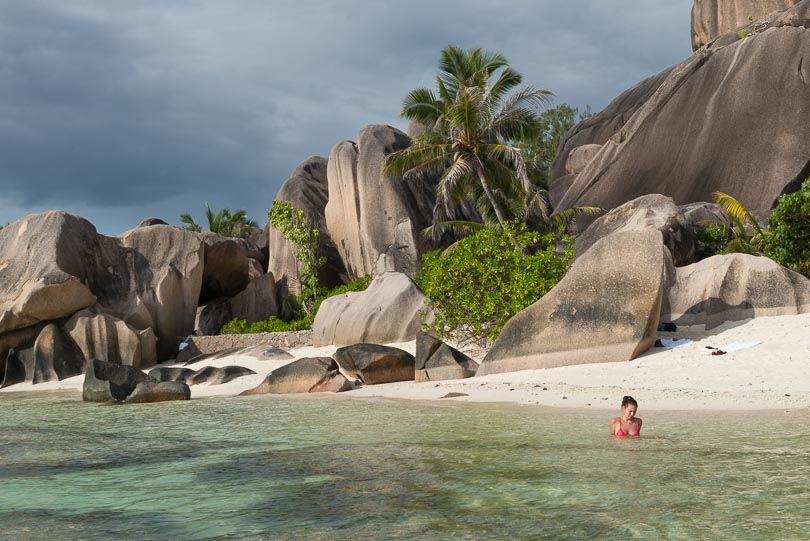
pixel 421 105
pixel 457 227
pixel 734 208
pixel 561 220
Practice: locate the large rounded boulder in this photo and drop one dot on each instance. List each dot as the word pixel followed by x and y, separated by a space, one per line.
pixel 229 266
pixel 605 309
pixel 374 364
pixel 435 361
pixel 308 375
pixel 307 189
pixel 376 218
pixel 734 287
pixel 166 270
pixel 653 211
pixel 715 118
pixel 391 309
pixel 46 262
pixel 103 337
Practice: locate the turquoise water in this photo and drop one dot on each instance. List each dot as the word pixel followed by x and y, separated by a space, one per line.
pixel 334 468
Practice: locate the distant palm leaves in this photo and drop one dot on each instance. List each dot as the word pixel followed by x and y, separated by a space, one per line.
pixel 223 222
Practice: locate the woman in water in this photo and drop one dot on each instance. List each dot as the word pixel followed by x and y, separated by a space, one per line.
pixel 628 424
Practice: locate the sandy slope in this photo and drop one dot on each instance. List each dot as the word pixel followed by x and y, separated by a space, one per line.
pixel 774 374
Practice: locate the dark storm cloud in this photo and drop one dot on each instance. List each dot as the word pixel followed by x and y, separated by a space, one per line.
pixel 119 110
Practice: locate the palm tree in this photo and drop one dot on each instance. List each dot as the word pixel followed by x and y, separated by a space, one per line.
pixel 472 123
pixel 224 222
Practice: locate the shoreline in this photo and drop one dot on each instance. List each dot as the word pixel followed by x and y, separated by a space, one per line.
pixel 772 375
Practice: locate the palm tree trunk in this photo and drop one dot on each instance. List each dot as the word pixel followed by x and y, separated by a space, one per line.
pixel 495 206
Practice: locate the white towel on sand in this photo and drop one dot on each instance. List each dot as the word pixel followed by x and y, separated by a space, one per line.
pixel 736 346
pixel 670 343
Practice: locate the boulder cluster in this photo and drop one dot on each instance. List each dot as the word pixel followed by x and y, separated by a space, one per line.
pixel 729 118
pixel 368 364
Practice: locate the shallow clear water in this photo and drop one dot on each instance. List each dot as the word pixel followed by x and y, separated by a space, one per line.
pixel 330 468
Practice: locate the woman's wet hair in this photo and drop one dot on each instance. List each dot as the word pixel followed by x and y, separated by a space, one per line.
pixel 629 400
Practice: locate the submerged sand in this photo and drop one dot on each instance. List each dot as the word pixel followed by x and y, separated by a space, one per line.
pixel 773 374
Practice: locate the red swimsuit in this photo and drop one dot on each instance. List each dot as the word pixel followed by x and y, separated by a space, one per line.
pixel 621 432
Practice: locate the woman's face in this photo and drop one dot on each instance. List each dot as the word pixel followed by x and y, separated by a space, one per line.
pixel 629 411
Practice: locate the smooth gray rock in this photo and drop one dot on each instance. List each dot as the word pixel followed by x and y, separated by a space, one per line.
pixel 228 267
pixel 713 18
pixel 437 361
pixel 710 123
pixel 104 337
pixel 605 309
pixel 110 382
pixel 18 338
pixel 307 189
pixel 373 364
pixel 391 309
pixel 734 287
pixel 171 373
pixel 151 221
pixel 164 391
pixel 598 129
pixel 57 356
pixel 376 219
pixel 580 157
pixel 20 367
pixel 44 269
pixel 652 211
pixel 314 374
pixel 218 375
pixel 258 301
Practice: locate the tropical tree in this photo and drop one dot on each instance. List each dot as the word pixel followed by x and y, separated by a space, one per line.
pixel 224 222
pixel 541 150
pixel 472 120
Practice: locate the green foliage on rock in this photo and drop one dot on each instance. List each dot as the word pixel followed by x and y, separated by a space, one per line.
pixel 478 284
pixel 711 240
pixel 271 324
pixel 297 320
pixel 746 235
pixel 299 229
pixel 789 226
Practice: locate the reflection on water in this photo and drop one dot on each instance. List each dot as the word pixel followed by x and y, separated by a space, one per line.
pixel 280 468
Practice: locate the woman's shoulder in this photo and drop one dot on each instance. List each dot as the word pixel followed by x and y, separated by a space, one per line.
pixel 616 420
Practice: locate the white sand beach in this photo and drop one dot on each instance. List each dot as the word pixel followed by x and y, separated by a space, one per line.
pixel 774 374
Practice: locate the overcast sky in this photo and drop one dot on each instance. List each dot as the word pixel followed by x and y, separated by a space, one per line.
pixel 122 110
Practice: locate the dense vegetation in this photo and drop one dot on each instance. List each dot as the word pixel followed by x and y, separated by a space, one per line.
pixel 481 282
pixel 786 240
pixel 296 318
pixel 300 231
pixel 789 231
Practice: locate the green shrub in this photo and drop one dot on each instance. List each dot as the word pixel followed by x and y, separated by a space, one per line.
pixel 292 306
pixel 482 281
pixel 789 225
pixel 711 240
pixel 271 324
